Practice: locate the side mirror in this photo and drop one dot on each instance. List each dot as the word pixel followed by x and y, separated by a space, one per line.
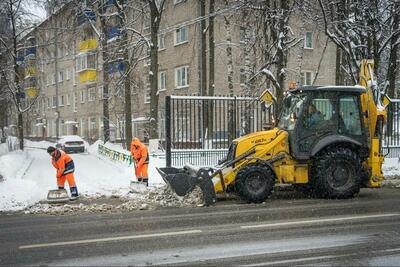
pixel 267 97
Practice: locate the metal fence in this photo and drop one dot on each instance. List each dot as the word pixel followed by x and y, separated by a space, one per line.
pixel 199 129
pixel 391 141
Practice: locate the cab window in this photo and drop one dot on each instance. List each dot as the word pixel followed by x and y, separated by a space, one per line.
pixel 349 115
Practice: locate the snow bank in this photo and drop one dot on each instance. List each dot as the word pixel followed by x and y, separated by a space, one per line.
pixel 391 171
pixel 15 192
pixel 11 143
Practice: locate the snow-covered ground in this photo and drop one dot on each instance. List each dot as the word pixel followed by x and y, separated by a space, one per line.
pixel 28 175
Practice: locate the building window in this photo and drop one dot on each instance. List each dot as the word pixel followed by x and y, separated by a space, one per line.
pixel 308 40
pixel 48 102
pixel 75 101
pixel 162 80
pixel 67 99
pixel 48 79
pixel 242 35
pixel 82 96
pixel 60 76
pixel 74 76
pixel 53 78
pixel 61 100
pixel 161 41
pixel 83 127
pixel 147 95
pixel 242 78
pixel 100 92
pixel 85 61
pixel 54 101
pixel 181 35
pixel 306 78
pixel 178 1
pixel 92 94
pixel 67 74
pixel 182 77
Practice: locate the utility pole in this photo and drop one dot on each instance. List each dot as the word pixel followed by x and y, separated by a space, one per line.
pixel 56 79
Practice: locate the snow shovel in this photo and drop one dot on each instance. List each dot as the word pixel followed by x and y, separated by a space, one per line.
pixel 138 187
pixel 57 196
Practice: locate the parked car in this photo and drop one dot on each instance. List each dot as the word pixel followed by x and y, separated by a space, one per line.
pixel 71 144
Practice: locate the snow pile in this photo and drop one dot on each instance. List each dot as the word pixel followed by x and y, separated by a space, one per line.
pixel 17 193
pixel 10 145
pixel 40 144
pixel 391 171
pixel 150 199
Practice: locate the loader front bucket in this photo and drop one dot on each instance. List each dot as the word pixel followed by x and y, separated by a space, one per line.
pixel 183 181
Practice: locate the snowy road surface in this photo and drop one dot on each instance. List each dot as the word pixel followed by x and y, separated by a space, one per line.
pixel 284 231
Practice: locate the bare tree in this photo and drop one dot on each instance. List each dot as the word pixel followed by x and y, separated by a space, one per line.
pixel 361 29
pixel 122 46
pixel 274 39
pixel 12 72
pixel 156 8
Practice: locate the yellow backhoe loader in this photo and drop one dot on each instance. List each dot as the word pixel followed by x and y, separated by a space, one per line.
pixel 327 138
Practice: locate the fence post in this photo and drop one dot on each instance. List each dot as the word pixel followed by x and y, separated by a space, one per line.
pixel 168 131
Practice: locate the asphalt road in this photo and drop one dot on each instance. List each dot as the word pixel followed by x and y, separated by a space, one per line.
pixel 286 230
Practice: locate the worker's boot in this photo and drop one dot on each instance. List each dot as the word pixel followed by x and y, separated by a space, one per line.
pixel 74 193
pixel 145 181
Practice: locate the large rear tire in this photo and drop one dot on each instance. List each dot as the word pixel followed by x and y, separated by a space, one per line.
pixel 255 183
pixel 336 173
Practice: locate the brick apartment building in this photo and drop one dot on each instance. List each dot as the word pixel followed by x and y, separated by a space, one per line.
pixel 62 57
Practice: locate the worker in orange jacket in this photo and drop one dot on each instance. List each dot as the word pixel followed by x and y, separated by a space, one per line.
pixel 65 170
pixel 140 155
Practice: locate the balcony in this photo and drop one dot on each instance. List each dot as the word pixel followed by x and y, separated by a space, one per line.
pixel 31 92
pixel 113 33
pixel 30 72
pixel 110 3
pixel 88 76
pixel 85 16
pixel 30 52
pixel 116 67
pixel 87 45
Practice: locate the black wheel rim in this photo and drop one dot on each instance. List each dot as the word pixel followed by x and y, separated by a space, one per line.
pixel 340 174
pixel 255 182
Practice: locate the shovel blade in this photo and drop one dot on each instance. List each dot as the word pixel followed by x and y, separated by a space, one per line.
pixel 57 196
pixel 138 187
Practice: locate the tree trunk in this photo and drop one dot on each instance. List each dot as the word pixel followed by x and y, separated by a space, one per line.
pixel 203 68
pixel 231 115
pixel 128 106
pixel 17 72
pixel 155 18
pixel 106 78
pixel 211 69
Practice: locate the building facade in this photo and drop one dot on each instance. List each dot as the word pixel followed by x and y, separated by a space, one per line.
pixel 64 64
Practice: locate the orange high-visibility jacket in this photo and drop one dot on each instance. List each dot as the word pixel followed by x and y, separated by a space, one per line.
pixel 64 164
pixel 139 152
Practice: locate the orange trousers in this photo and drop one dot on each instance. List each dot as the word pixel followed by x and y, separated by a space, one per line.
pixel 69 177
pixel 141 172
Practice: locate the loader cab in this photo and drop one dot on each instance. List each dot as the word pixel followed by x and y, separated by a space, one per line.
pixel 316 117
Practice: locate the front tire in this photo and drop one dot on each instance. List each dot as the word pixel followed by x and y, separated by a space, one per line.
pixel 336 173
pixel 255 183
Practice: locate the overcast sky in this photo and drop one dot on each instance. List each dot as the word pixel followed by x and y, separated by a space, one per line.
pixel 35 9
